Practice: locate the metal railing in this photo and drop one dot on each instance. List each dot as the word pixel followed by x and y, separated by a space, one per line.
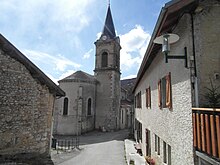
pixel 206 131
pixel 65 144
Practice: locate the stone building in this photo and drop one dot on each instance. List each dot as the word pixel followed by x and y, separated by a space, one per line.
pixel 107 73
pixel 27 98
pixel 166 93
pixel 93 102
pixel 74 114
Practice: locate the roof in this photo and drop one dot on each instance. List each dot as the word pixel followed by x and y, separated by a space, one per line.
pixel 126 102
pixel 36 73
pixel 79 75
pixel 167 21
pixel 128 85
pixel 109 29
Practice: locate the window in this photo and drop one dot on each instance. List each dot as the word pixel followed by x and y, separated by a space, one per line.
pixel 157 144
pixel 148 143
pixel 65 106
pixel 158 147
pixel 104 59
pixel 138 100
pixel 164 152
pixel 164 92
pixel 122 116
pixel 138 126
pixel 169 154
pixel 148 98
pixel 89 107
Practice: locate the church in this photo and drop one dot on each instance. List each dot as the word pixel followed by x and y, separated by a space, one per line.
pixel 93 102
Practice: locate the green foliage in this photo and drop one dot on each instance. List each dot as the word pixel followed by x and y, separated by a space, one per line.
pixel 212 95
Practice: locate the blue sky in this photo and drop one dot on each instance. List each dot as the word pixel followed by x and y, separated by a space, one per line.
pixel 58 35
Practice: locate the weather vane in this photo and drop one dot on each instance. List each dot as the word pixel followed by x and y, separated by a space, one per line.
pixel 108 2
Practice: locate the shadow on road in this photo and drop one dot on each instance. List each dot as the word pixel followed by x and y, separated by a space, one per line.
pixel 98 137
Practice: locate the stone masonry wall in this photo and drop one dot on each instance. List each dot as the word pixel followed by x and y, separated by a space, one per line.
pixel 25 112
pixel 77 109
pixel 207 34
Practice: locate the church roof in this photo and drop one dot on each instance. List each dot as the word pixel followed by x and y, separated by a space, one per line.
pixel 79 75
pixel 109 29
pixel 36 73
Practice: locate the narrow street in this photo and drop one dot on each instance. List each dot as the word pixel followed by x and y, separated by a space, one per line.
pixel 98 148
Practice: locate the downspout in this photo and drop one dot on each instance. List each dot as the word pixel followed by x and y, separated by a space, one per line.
pixel 195 83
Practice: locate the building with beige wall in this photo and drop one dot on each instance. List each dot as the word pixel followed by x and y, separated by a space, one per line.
pixel 166 92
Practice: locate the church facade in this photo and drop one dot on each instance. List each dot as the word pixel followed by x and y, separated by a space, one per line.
pixel 93 101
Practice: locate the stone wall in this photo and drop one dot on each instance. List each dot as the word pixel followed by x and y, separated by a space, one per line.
pixel 25 112
pixel 207 34
pixel 76 121
pixel 108 100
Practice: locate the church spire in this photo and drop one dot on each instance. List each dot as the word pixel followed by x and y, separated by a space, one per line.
pixel 109 29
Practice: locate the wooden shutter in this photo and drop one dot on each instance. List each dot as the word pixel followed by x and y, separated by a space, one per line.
pixel 168 91
pixel 149 98
pixel 159 94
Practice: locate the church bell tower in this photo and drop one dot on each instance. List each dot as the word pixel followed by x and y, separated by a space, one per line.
pixel 107 73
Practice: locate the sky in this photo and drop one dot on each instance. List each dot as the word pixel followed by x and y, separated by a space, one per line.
pixel 58 35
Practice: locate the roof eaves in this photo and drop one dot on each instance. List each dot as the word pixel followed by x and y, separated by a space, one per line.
pixel 143 66
pixel 169 7
pixel 13 52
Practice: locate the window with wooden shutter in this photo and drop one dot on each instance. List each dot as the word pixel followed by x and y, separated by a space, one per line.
pixel 165 92
pixel 148 98
pixel 168 91
pixel 138 100
pixel 159 94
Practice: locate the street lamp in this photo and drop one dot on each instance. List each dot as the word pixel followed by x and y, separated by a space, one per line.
pixel 165 40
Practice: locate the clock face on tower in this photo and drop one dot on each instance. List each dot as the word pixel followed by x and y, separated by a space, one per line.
pixel 104 37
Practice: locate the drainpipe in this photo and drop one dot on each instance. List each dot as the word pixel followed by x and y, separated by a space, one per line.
pixel 195 83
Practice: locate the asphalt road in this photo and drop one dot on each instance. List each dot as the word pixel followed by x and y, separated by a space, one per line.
pixel 100 149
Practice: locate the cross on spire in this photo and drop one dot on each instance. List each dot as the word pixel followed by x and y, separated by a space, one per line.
pixel 108 2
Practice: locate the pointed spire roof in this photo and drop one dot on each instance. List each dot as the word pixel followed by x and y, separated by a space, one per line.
pixel 109 29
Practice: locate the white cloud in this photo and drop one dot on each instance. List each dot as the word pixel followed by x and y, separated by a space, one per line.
pixel 98 35
pixel 52 78
pixel 87 54
pixel 57 62
pixel 134 44
pixel 54 15
pixel 129 77
pixel 67 73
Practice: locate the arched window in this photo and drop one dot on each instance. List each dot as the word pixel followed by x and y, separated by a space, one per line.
pixel 65 106
pixel 89 107
pixel 104 59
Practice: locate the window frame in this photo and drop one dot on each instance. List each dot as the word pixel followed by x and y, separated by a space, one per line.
pixel 148 142
pixel 148 98
pixel 138 101
pixel 164 152
pixel 165 92
pixel 65 106
pixel 89 109
pixel 104 61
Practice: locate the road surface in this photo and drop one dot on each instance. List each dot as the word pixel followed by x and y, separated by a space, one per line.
pixel 100 149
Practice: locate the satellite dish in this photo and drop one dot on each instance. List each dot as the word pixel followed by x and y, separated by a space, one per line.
pixel 166 40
